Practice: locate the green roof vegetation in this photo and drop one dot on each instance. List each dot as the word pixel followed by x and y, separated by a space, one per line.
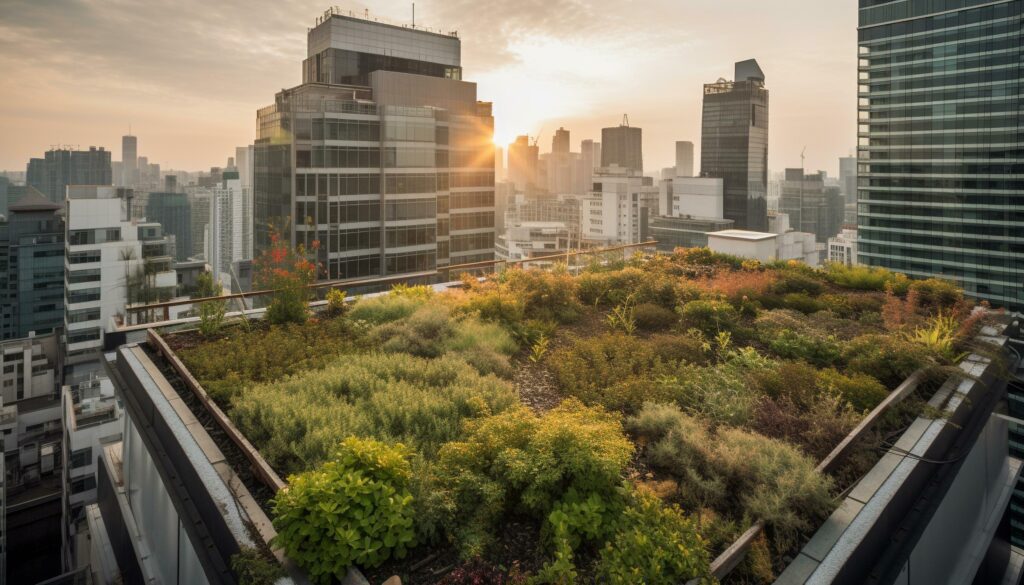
pixel 623 425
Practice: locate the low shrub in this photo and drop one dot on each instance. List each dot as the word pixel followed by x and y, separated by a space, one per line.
pixel 386 308
pixel 861 391
pixel 734 286
pixel 423 333
pixel 546 295
pixel 478 572
pixel 254 568
pixel 889 358
pixel 740 473
pixel 609 288
pixel 709 317
pixel 816 427
pixel 355 509
pixel 228 365
pixel 705 257
pixel 820 350
pixel 518 461
pixel 651 317
pixel 937 294
pixel 297 422
pixel 722 393
pixel 866 278
pixel 612 370
pixel 795 282
pixel 802 302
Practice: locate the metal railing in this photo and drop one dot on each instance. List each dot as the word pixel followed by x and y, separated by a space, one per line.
pixel 444 274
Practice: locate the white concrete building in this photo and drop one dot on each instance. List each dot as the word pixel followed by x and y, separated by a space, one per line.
pixel 230 227
pixel 617 209
pixel 109 258
pixel 532 239
pixel 701 197
pixel 843 247
pixel 91 421
pixel 781 243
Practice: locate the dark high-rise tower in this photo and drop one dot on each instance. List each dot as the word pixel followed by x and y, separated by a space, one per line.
pixel 623 146
pixel 941 143
pixel 734 144
pixel 129 160
pixel 62 167
pixel 560 141
pixel 383 155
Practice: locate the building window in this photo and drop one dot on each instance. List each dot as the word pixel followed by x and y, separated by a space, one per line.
pixel 83 484
pixel 81 457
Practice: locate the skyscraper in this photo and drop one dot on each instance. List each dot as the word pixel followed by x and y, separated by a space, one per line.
pixel 560 141
pixel 129 160
pixel 412 186
pixel 684 158
pixel 812 206
pixel 623 146
pixel 61 167
pixel 734 144
pixel 940 143
pixel 522 163
pixel 173 212
pixel 848 179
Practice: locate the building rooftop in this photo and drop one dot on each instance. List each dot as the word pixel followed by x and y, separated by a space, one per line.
pixel 743 235
pixel 34 201
pixel 728 390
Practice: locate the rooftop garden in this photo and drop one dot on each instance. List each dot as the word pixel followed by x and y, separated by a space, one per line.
pixel 623 425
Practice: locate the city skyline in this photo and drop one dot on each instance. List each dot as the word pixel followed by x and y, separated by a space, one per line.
pixel 190 96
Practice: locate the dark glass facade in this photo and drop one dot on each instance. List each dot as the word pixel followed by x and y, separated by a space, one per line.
pixel 339 66
pixel 941 145
pixel 734 148
pixel 31 270
pixel 173 212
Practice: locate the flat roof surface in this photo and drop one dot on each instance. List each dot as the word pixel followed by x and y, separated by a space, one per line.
pixel 743 235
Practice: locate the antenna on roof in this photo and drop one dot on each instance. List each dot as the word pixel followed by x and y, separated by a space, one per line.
pixel 414 15
pixel 625 120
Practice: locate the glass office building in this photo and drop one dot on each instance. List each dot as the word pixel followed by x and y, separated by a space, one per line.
pixel 383 156
pixel 941 146
pixel 734 144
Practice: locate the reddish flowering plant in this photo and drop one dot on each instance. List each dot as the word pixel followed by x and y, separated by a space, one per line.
pixel 288 272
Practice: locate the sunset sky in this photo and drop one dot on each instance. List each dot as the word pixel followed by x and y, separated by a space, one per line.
pixel 189 75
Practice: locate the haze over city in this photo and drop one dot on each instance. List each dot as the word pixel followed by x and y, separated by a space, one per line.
pixel 189 76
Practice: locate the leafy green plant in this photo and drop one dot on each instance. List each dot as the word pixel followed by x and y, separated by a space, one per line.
pixel 288 273
pixel 336 302
pixel 937 293
pixel 211 313
pixel 355 509
pixel 518 461
pixel 546 295
pixel 386 308
pixel 254 568
pixel 539 349
pixel 656 545
pixel 622 317
pixel 862 391
pixel 866 278
pixel 819 350
pixel 939 336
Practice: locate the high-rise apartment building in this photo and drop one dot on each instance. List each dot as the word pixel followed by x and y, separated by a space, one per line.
pixel 31 268
pixel 734 144
pixel 61 167
pixel 684 158
pixel 560 141
pixel 623 146
pixel 383 155
pixel 940 143
pixel 618 208
pixel 112 261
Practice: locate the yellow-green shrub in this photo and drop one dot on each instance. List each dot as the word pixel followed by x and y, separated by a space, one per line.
pixel 355 509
